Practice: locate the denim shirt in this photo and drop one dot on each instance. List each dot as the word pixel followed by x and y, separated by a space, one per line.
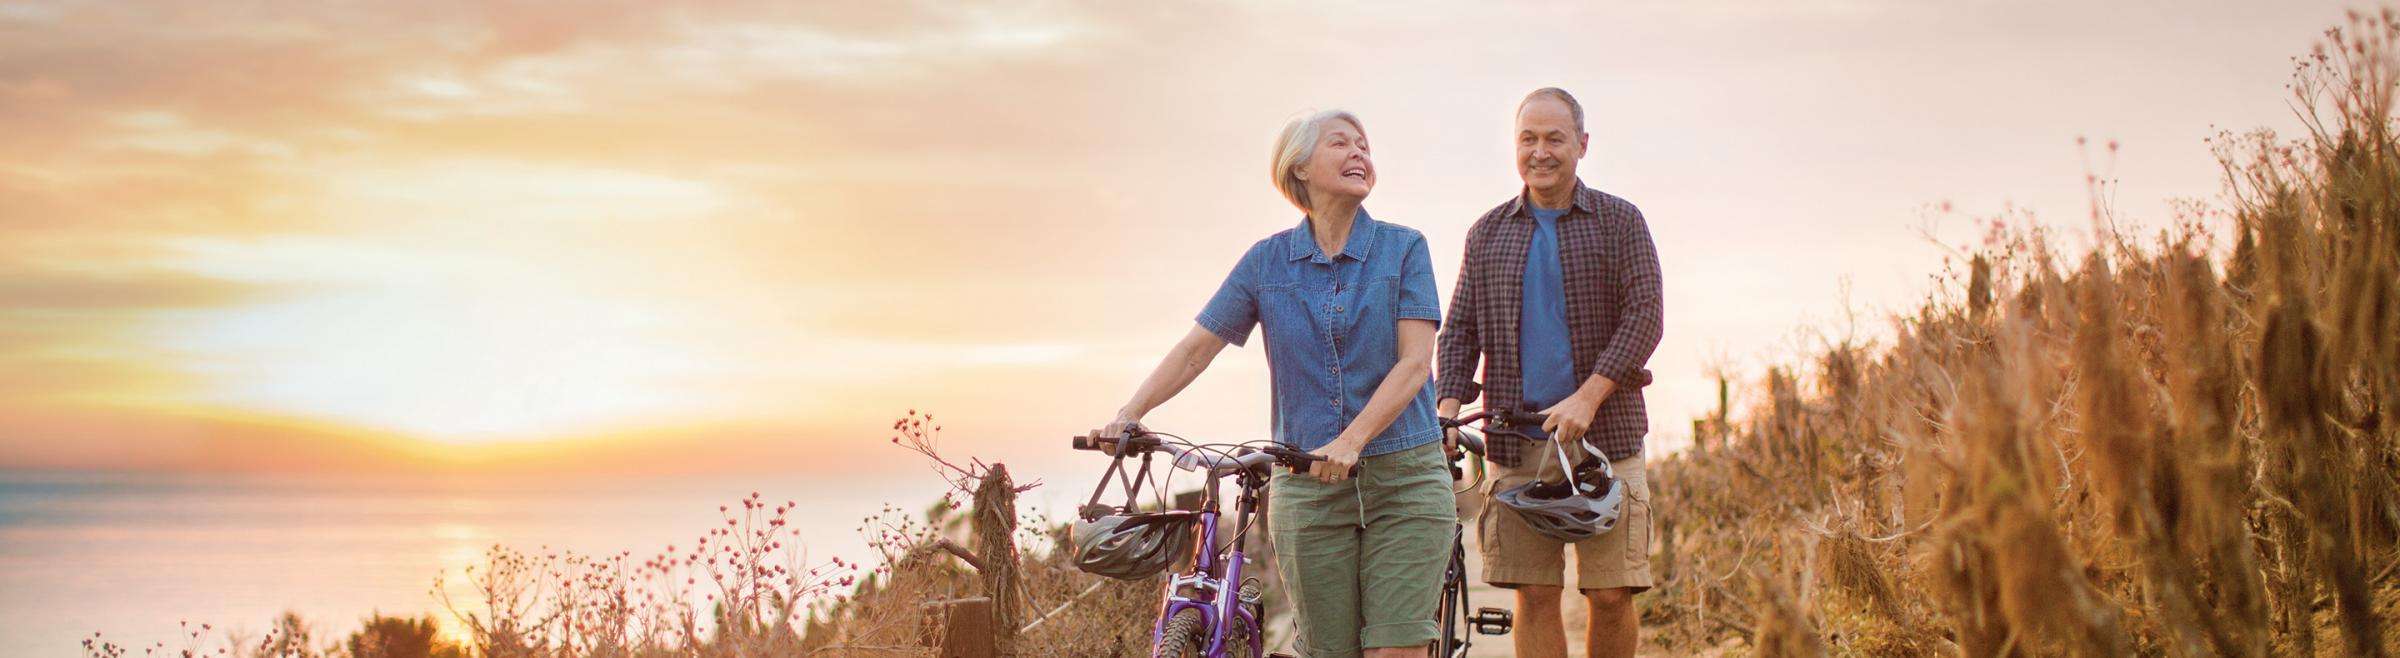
pixel 1332 327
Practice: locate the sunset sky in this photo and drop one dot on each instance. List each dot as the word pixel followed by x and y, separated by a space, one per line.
pixel 445 229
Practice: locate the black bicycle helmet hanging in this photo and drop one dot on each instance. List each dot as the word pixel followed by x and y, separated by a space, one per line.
pixel 1131 547
pixel 1580 508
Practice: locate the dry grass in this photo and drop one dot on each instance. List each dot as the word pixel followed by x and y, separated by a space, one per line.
pixel 2161 447
pixel 744 590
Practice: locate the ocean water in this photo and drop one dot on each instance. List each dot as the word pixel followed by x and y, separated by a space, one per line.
pixel 130 556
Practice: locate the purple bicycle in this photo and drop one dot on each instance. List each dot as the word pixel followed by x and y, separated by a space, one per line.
pixel 1211 610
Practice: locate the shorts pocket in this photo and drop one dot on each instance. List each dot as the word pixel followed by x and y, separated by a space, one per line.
pixel 1637 520
pixel 1487 531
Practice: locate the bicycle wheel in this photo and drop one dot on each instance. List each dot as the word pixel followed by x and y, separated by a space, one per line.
pixel 1447 644
pixel 1242 641
pixel 1182 638
pixel 1452 641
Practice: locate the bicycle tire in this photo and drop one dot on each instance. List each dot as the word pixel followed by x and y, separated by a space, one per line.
pixel 1242 641
pixel 1182 638
pixel 1447 644
pixel 1453 613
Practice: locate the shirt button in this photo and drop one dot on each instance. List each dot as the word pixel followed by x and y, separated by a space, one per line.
pixel 1337 309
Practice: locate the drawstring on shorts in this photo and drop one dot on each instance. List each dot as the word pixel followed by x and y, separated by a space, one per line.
pixel 1361 497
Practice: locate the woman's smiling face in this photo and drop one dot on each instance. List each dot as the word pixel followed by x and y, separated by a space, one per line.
pixel 1342 166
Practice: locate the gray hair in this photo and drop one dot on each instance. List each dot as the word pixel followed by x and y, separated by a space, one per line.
pixel 1574 109
pixel 1296 145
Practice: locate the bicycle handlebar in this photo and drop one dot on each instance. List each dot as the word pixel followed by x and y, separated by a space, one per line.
pixel 1512 418
pixel 1144 441
pixel 1135 443
pixel 1507 420
pixel 1470 443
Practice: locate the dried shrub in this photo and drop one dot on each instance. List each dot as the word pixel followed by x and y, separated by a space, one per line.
pixel 2157 448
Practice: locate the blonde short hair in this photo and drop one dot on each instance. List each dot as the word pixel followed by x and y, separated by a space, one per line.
pixel 1296 145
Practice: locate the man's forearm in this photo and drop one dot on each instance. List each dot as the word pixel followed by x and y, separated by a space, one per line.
pixel 1596 388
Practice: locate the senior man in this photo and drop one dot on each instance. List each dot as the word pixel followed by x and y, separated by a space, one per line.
pixel 1559 302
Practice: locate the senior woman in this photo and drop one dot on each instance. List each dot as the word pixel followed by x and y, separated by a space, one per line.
pixel 1349 309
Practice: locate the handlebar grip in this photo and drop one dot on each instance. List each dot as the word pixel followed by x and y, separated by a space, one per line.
pixel 1470 443
pixel 1133 443
pixel 1314 458
pixel 1299 460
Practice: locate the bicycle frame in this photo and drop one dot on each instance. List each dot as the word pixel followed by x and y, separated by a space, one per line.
pixel 1204 588
pixel 1212 586
pixel 1457 627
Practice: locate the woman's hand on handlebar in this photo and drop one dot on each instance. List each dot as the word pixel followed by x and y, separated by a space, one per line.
pixel 1109 436
pixel 1341 459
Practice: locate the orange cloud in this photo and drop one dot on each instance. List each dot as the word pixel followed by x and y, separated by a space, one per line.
pixel 133 438
pixel 461 222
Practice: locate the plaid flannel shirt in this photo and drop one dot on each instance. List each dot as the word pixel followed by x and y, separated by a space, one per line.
pixel 1614 314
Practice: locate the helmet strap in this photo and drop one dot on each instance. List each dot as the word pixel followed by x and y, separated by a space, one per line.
pixel 1131 478
pixel 1564 465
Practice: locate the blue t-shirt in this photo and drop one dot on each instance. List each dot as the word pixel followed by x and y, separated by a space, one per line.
pixel 1332 327
pixel 1544 351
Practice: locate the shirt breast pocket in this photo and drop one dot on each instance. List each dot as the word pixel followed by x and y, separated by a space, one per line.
pixel 1283 313
pixel 1381 301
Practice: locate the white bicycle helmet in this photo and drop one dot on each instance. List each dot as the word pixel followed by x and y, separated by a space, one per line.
pixel 1582 507
pixel 1131 547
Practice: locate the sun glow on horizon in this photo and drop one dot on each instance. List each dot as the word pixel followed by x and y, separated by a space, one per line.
pixel 533 226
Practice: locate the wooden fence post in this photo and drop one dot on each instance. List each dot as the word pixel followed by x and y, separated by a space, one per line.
pixel 962 627
pixel 995 526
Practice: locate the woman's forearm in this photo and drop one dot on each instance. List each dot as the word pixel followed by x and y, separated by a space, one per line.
pixel 1390 397
pixel 1399 386
pixel 1182 364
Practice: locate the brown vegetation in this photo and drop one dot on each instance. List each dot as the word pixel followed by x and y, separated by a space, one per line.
pixel 2161 447
pixel 2158 448
pixel 742 591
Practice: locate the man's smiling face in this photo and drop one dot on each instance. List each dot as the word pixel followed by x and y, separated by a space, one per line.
pixel 1548 143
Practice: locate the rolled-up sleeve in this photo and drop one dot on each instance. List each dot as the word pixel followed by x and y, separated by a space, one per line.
pixel 1420 297
pixel 1233 311
pixel 1639 329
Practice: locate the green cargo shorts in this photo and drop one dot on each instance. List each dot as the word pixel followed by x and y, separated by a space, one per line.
pixel 1363 558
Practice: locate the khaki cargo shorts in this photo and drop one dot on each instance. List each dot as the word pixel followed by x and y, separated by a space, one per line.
pixel 1515 555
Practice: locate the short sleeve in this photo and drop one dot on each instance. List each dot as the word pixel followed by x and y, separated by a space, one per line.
pixel 1233 311
pixel 1420 298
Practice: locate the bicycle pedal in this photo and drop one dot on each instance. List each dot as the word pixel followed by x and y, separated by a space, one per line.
pixel 1492 621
